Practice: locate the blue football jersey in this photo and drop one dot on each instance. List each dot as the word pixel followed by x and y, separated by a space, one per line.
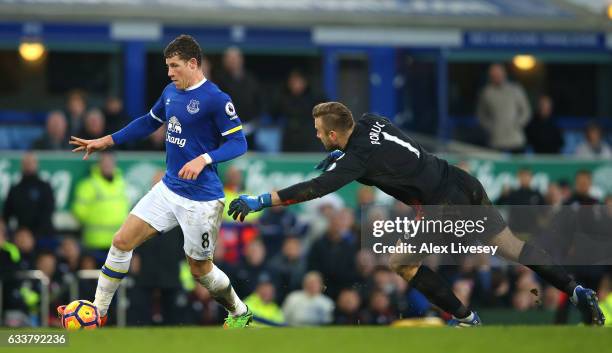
pixel 197 120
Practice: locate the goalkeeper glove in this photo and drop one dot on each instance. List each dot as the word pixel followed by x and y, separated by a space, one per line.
pixel 245 204
pixel 331 158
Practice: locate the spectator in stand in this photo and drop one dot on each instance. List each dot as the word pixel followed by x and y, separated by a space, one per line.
pixel 582 189
pixel 69 256
pixel 9 265
pixel 293 108
pixel 25 243
pixel 288 267
pixel 234 235
pixel 384 280
pixel 547 218
pixel 379 311
pixel 348 308
pixel 114 115
pixel 250 269
pixel 244 89
pixel 503 111
pixel 365 264
pixel 101 204
pixel 365 201
pixel 89 262
pixel 566 189
pixel 94 125
pixel 553 197
pixel 30 203
pixel 309 307
pixel 594 146
pixel 55 137
pixel 333 255
pixel 261 302
pixel 275 224
pixel 76 105
pixel 523 219
pixel 9 255
pixel 59 292
pixel 542 133
pixel 233 186
pixel 523 298
pixel 204 309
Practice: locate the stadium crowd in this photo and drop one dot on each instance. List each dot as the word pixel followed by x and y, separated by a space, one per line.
pixel 293 270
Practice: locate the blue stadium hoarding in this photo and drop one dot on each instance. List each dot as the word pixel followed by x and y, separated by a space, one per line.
pixel 306 37
pixel 451 8
pixel 532 40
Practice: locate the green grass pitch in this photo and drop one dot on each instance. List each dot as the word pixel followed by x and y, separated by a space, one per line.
pixel 540 339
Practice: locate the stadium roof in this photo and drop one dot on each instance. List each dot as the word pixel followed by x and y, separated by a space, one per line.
pixel 462 14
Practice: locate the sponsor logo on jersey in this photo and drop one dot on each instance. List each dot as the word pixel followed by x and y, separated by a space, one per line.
pixel 193 106
pixel 174 126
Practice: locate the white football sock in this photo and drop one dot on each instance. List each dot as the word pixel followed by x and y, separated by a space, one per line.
pixel 220 288
pixel 115 268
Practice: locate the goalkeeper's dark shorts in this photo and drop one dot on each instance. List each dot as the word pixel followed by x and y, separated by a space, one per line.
pixel 463 202
pixel 467 194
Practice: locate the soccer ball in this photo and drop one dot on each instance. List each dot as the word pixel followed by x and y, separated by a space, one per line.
pixel 81 314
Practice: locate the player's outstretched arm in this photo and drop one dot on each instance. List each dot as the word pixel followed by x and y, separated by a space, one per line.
pixel 347 169
pixel 91 146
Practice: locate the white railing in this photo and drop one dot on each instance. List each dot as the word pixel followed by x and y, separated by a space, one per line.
pixel 122 302
pixel 73 283
pixel 44 292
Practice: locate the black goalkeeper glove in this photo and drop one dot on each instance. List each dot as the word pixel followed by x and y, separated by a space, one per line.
pixel 246 204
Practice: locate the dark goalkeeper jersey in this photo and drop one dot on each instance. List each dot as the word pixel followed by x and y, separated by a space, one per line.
pixel 381 155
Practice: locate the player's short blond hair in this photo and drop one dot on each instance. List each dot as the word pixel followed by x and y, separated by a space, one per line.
pixel 335 116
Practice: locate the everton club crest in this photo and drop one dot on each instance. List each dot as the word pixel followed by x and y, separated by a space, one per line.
pixel 193 106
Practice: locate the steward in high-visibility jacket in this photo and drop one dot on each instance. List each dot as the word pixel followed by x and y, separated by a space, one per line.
pixel 261 302
pixel 101 204
pixel 606 307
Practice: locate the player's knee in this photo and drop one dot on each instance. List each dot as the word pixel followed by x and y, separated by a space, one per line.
pixel 200 268
pixel 121 242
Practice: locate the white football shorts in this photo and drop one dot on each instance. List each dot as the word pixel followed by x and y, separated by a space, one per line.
pixel 199 220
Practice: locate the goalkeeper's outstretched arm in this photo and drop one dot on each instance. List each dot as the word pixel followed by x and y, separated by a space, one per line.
pixel 326 183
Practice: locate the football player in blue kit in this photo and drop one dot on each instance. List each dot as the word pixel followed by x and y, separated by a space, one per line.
pixel 203 129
